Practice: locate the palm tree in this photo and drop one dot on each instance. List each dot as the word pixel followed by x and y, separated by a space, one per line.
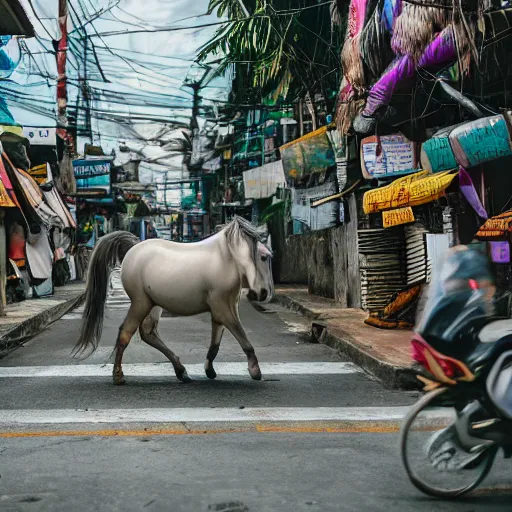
pixel 283 48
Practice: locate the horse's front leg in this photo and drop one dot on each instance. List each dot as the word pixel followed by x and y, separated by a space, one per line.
pixel 217 332
pixel 236 329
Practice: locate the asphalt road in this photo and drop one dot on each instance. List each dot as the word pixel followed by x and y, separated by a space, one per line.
pixel 317 434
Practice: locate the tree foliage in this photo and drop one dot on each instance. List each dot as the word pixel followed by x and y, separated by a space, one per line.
pixel 283 49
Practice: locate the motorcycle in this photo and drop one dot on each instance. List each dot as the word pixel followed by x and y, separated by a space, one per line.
pixel 463 353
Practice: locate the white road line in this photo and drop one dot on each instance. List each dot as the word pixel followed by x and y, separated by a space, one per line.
pixel 165 369
pixel 207 415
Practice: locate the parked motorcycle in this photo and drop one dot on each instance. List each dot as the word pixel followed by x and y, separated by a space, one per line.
pixel 451 436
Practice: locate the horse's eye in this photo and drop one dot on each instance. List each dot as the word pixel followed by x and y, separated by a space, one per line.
pixel 264 258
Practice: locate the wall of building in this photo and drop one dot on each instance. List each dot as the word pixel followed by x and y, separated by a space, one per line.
pixel 326 261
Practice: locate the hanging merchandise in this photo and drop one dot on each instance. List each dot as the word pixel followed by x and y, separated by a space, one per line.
pixel 413 190
pixel 39 254
pixel 482 140
pixel 41 173
pixel 16 249
pixel 437 153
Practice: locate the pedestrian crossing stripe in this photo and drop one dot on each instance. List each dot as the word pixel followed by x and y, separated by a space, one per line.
pixel 200 415
pixel 166 370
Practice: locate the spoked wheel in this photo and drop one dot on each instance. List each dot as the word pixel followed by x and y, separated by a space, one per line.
pixel 421 428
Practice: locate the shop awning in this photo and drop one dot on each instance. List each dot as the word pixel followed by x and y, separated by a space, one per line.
pixel 310 154
pixel 13 20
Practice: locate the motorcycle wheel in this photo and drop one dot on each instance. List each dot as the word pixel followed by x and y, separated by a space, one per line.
pixel 420 425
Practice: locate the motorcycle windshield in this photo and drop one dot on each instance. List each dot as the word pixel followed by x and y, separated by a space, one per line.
pixel 463 291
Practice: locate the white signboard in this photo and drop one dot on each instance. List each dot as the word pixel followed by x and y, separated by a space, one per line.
pixel 40 136
pixel 388 155
pixel 263 181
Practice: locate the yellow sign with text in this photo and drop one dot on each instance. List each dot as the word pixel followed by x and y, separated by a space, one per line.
pixel 397 217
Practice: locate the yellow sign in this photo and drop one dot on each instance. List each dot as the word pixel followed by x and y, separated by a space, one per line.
pixel 396 217
pixel 412 190
pixel 497 227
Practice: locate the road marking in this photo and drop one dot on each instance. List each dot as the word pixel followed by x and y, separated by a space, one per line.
pixel 353 428
pixel 166 370
pixel 293 415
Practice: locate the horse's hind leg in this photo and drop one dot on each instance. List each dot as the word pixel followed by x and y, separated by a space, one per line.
pixel 139 309
pixel 149 334
pixel 217 332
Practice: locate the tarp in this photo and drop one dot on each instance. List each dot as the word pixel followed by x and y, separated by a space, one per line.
pixel 263 181
pixel 310 154
pixel 321 217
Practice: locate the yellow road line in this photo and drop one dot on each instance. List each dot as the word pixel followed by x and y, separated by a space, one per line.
pixel 349 429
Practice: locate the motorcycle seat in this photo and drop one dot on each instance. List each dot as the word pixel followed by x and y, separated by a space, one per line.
pixel 499 384
pixel 486 353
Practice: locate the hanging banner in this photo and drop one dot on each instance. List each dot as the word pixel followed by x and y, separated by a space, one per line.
pixel 387 155
pixel 469 192
pixel 412 190
pixel 310 154
pixel 92 177
pixel 437 153
pixel 397 217
pixel 264 181
pixel 41 136
pixel 481 141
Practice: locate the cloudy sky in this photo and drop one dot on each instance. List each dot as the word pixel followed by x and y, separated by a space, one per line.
pixel 143 52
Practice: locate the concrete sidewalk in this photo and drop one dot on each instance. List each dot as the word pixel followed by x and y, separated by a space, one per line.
pixel 383 353
pixel 28 318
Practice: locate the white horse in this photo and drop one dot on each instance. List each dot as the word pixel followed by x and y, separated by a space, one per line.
pixel 185 280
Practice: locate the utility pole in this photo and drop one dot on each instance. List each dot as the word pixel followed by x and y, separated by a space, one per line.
pixel 66 181
pixel 62 93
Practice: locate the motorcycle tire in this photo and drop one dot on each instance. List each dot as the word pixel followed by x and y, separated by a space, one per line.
pixel 416 480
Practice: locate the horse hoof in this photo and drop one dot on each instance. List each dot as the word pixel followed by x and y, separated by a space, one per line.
pixel 184 377
pixel 119 381
pixel 255 373
pixel 211 373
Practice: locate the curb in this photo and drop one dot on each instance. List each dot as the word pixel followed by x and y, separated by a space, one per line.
pixel 32 326
pixel 392 376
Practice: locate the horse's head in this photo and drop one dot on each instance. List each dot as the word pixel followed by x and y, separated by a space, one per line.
pixel 253 259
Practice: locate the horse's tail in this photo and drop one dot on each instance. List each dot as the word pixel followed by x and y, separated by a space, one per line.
pixel 109 252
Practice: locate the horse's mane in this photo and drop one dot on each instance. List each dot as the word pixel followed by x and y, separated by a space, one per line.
pixel 240 228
